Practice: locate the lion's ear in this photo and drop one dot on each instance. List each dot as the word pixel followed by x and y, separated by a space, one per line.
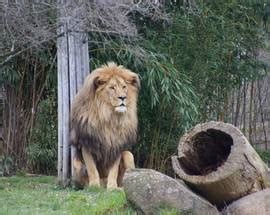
pixel 98 82
pixel 135 81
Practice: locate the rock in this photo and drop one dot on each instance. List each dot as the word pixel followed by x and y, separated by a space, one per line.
pixel 255 203
pixel 149 190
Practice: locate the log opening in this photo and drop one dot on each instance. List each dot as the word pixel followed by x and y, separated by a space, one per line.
pixel 207 151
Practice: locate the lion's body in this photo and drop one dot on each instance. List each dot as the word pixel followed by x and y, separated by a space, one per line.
pixel 104 118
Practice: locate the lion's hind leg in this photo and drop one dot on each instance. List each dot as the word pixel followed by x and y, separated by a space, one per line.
pixel 127 162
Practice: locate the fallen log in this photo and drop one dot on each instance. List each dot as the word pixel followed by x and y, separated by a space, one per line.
pixel 218 162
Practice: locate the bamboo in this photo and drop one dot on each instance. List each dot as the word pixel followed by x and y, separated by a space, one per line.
pixel 250 112
pixel 244 107
pixel 262 115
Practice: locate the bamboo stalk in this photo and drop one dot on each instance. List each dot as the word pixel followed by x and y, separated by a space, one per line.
pixel 250 112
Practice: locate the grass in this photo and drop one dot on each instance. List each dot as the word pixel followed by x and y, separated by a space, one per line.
pixel 23 195
pixel 40 195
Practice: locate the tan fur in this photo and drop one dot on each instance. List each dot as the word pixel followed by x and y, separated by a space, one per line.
pixel 103 124
pixel 127 162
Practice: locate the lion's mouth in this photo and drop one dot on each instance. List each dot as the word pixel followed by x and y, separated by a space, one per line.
pixel 121 108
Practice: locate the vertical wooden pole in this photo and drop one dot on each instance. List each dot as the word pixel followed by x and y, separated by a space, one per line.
pixel 61 60
pixel 78 66
pixel 59 100
pixel 63 107
pixel 65 119
pixel 73 66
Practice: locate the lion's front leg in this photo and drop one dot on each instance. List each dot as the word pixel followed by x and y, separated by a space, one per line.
pixel 80 177
pixel 93 175
pixel 113 174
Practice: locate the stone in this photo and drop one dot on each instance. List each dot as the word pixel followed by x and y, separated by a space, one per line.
pixel 255 203
pixel 150 190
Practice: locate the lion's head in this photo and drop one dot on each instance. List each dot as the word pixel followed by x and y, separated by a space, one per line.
pixel 115 87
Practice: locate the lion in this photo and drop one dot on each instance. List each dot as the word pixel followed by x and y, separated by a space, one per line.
pixel 104 126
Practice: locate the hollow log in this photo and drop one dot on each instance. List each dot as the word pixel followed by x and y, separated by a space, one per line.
pixel 218 162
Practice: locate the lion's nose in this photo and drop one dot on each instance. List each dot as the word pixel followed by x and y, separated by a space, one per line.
pixel 122 97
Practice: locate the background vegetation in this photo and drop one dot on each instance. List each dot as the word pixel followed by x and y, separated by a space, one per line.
pixel 189 64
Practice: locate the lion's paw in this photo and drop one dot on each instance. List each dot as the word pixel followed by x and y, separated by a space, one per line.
pixel 115 188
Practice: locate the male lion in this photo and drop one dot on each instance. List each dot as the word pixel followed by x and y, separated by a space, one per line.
pixel 104 125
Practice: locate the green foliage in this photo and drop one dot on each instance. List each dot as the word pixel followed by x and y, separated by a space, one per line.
pixel 6 165
pixel 215 47
pixel 9 76
pixel 265 155
pixel 39 195
pixel 26 80
pixel 42 150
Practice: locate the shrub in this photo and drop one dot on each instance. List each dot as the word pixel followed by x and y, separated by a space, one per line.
pixel 42 150
pixel 264 154
pixel 6 165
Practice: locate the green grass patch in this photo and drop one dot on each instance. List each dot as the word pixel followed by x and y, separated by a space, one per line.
pixel 40 195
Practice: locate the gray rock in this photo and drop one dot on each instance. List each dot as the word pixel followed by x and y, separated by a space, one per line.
pixel 149 190
pixel 255 203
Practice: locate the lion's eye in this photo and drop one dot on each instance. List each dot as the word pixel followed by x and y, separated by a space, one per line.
pixel 124 87
pixel 112 88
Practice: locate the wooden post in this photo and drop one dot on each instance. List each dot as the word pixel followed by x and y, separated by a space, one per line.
pixel 61 66
pixel 78 67
pixel 73 66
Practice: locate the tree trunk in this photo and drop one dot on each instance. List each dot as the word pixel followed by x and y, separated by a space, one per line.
pixel 73 66
pixel 217 160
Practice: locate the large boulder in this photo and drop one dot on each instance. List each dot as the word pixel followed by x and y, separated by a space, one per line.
pixel 149 190
pixel 256 203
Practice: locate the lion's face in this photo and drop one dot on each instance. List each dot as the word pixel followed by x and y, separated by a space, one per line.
pixel 115 93
pixel 116 88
